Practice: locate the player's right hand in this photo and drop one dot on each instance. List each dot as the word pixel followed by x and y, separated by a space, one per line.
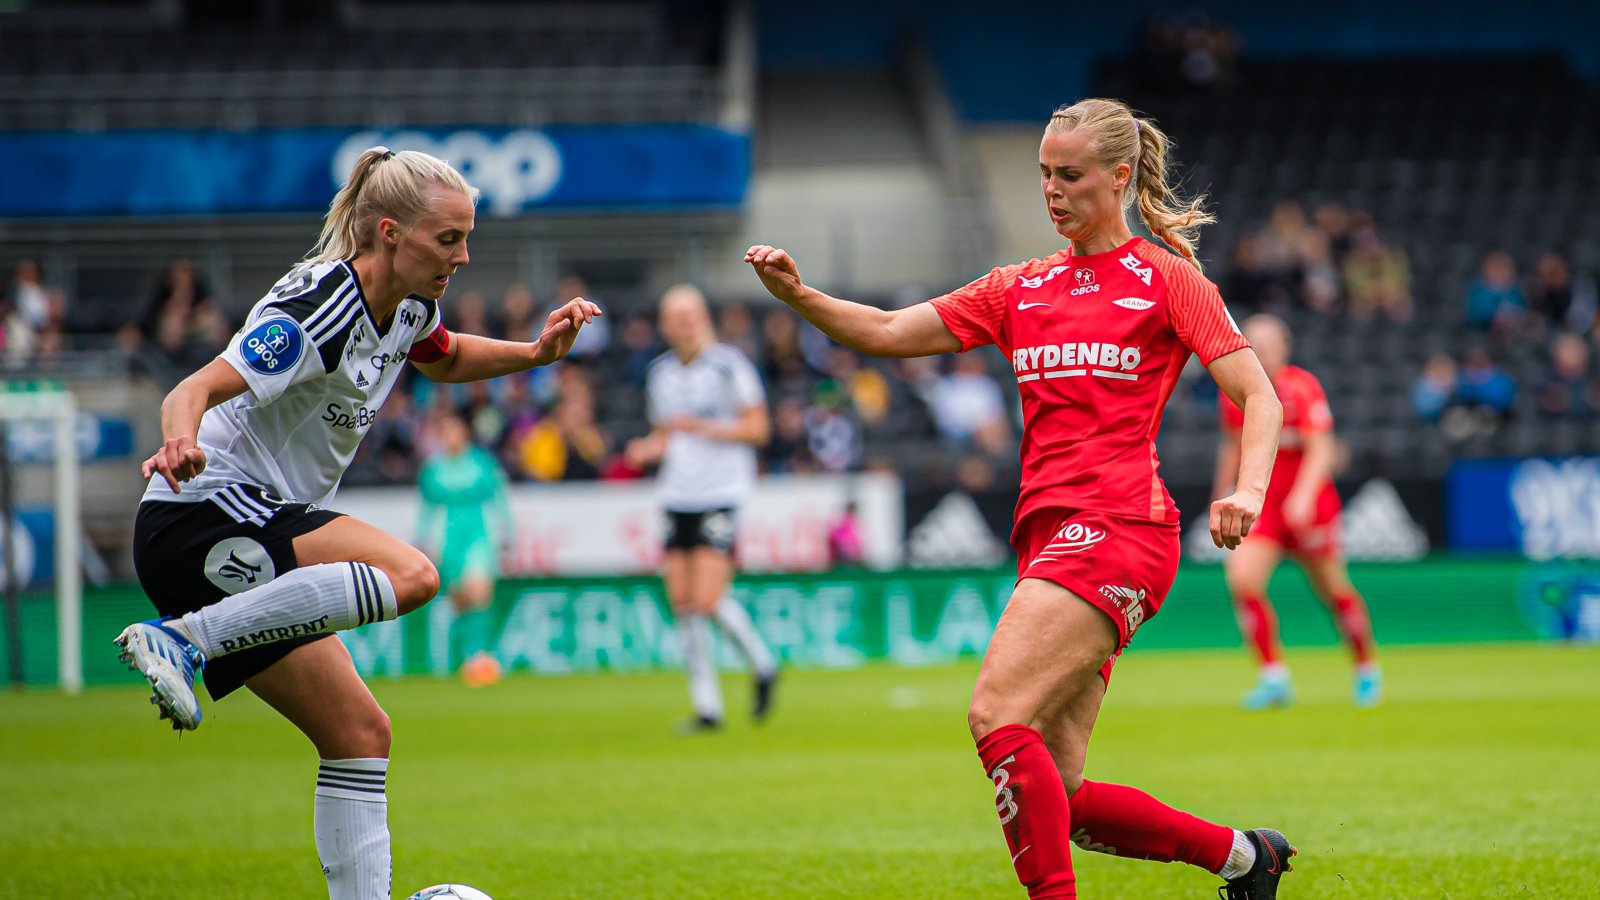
pixel 179 459
pixel 778 272
pixel 1232 516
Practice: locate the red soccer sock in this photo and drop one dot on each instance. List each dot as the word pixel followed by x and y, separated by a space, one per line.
pixel 1125 821
pixel 1259 623
pixel 1350 612
pixel 1032 803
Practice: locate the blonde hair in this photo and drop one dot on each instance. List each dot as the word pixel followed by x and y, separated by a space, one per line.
pixel 1118 136
pixel 383 184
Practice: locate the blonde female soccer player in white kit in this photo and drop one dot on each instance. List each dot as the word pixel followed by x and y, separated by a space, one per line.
pixel 709 414
pixel 233 543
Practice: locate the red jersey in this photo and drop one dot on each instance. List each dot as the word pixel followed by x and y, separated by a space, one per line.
pixel 1097 343
pixel 1305 411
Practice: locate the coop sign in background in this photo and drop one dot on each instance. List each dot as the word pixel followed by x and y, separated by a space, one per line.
pixel 142 173
pixel 1542 508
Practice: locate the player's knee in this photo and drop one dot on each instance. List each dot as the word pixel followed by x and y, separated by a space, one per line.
pixel 415 580
pixel 372 734
pixel 988 711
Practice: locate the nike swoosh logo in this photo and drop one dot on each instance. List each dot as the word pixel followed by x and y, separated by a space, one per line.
pixel 1030 306
pixel 1020 852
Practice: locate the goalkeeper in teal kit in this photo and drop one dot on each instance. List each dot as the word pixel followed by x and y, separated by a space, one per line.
pixel 464 522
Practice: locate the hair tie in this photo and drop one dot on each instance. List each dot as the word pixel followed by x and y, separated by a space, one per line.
pixel 1138 126
pixel 387 154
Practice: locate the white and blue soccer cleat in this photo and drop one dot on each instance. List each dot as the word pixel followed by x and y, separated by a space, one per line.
pixel 1369 688
pixel 1269 693
pixel 167 661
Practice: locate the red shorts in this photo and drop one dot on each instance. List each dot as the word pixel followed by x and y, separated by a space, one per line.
pixel 1318 540
pixel 1124 567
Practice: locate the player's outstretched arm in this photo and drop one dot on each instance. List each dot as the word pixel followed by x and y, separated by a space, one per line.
pixel 913 331
pixel 473 357
pixel 180 457
pixel 1240 376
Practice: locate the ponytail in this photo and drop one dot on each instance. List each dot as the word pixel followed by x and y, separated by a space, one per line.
pixel 1120 137
pixel 382 184
pixel 1172 219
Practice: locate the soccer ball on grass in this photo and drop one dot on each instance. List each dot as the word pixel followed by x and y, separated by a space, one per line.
pixel 450 892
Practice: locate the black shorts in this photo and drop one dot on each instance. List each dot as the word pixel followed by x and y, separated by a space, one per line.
pixel 191 555
pixel 712 528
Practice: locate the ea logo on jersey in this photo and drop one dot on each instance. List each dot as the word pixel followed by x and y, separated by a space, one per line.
pixel 239 564
pixel 1085 280
pixel 273 346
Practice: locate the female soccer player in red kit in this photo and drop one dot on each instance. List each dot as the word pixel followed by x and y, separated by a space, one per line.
pixel 1300 518
pixel 1097 334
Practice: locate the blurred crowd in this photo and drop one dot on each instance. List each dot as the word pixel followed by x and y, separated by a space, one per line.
pixel 1525 347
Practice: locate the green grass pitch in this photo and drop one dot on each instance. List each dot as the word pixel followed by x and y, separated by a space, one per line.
pixel 1480 777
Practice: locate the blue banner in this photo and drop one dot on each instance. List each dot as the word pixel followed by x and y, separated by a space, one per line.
pixel 142 173
pixel 1542 508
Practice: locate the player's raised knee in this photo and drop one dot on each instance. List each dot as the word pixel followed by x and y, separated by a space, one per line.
pixel 415 580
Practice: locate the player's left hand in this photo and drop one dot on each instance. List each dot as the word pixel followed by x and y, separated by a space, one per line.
pixel 561 329
pixel 1232 516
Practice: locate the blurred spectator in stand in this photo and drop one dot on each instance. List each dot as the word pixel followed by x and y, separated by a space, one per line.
pixel 519 315
pixel 1377 277
pixel 181 321
pixel 1319 275
pixel 468 314
pixel 1249 284
pixel 28 314
pixel 867 389
pixel 1487 394
pixel 832 437
pixel 638 348
pixel 1562 301
pixel 1569 389
pixel 1495 300
pixel 1435 388
pixel 1188 50
pixel 789 451
pixel 784 365
pixel 844 538
pixel 737 327
pixel 968 407
pixel 567 444
pixel 595 336
pixel 1334 221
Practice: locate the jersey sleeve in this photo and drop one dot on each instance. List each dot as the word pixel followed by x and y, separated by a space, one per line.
pixel 1199 316
pixel 976 313
pixel 1316 417
pixel 432 340
pixel 273 353
pixel 747 389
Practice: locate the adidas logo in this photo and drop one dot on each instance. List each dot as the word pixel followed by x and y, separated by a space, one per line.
pixel 953 533
pixel 361 379
pixel 1377 525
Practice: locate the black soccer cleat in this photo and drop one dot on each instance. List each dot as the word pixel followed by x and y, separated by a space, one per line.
pixel 1272 861
pixel 766 685
pixel 699 725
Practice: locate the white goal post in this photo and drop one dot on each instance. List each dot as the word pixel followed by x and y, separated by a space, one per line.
pixel 49 400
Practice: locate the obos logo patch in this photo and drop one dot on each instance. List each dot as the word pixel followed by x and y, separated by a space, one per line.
pixel 273 346
pixel 239 564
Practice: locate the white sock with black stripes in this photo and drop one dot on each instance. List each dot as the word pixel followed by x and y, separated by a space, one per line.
pixel 351 821
pixel 736 624
pixel 307 600
pixel 705 691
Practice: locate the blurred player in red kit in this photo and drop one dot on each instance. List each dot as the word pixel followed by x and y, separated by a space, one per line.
pixel 1300 518
pixel 1097 334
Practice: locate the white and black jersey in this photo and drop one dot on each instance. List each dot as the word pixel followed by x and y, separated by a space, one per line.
pixel 318 367
pixel 719 384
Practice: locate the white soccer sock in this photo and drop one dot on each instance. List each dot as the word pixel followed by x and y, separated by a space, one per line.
pixel 705 692
pixel 1275 671
pixel 1240 858
pixel 307 600
pixel 736 624
pixel 351 820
